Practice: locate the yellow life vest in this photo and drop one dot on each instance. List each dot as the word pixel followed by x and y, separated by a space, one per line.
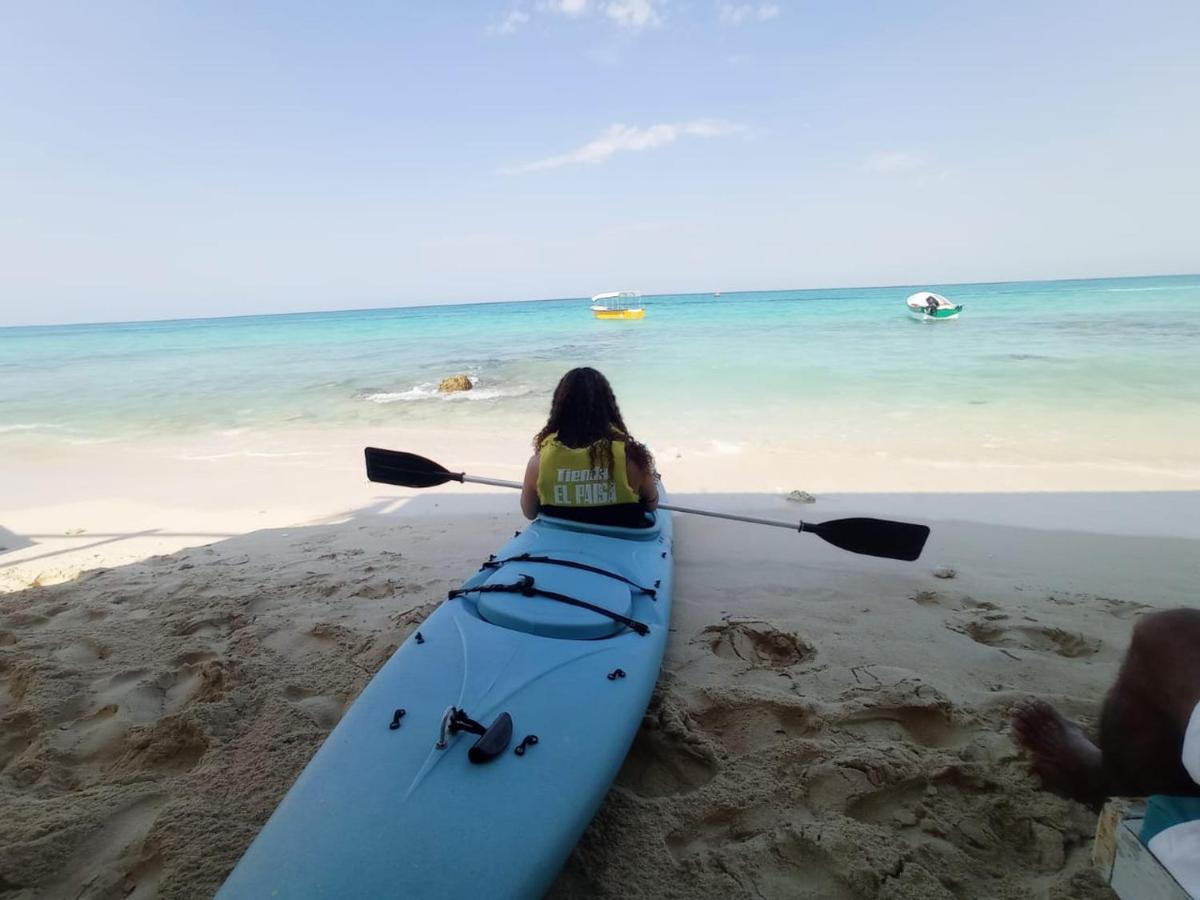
pixel 566 477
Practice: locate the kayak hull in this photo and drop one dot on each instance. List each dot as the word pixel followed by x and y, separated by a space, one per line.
pixel 383 812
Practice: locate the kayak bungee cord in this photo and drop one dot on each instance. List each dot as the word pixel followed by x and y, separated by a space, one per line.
pixel 494 563
pixel 525 586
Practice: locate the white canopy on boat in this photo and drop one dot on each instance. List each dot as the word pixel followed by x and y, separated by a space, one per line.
pixel 624 296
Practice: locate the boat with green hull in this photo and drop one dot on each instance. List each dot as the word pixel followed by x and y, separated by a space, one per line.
pixel 928 306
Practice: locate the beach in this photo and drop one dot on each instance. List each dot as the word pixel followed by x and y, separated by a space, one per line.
pixel 196 583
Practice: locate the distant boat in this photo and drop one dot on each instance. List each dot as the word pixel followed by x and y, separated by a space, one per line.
pixel 716 293
pixel 618 305
pixel 927 306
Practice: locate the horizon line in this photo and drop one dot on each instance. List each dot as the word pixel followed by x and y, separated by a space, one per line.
pixel 360 309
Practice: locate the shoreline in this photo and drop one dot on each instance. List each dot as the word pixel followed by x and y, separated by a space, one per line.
pixel 70 508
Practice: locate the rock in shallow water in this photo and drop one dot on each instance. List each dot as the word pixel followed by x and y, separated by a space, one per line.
pixel 455 383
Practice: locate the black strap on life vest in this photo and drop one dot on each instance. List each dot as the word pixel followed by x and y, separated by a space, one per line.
pixel 494 563
pixel 525 586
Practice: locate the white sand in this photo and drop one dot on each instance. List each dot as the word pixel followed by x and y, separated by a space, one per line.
pixel 826 725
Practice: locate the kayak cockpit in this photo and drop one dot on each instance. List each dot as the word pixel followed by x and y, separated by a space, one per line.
pixel 565 593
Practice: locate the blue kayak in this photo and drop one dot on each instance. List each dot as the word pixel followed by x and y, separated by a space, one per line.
pixel 520 695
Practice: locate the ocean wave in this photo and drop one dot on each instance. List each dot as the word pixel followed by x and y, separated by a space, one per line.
pixel 30 426
pixel 90 441
pixel 1142 290
pixel 251 454
pixel 429 391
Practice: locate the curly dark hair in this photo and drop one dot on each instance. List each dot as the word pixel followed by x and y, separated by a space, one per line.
pixel 584 413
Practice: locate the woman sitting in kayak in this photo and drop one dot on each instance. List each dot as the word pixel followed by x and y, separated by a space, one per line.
pixel 586 466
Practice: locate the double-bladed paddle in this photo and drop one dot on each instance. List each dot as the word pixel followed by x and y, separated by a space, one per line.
pixel 870 537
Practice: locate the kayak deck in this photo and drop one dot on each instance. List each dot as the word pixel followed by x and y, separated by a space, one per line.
pixel 385 812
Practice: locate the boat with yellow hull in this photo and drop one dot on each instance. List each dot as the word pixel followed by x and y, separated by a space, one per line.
pixel 618 305
pixel 619 313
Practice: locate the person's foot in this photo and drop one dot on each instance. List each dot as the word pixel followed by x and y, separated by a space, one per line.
pixel 1065 760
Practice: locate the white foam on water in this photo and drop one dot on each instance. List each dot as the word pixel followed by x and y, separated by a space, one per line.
pixel 87 442
pixel 429 391
pixel 251 454
pixel 1142 290
pixel 29 426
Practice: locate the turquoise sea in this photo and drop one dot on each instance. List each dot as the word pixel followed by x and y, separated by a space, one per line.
pixel 1109 358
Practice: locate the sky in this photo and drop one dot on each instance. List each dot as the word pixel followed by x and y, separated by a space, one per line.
pixel 170 159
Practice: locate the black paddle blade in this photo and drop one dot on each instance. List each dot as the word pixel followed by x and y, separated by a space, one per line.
pixel 406 469
pixel 873 537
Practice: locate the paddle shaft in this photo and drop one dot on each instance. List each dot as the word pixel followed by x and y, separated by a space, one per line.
pixel 753 520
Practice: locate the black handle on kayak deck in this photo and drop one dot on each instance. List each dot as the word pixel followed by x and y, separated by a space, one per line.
pixel 494 740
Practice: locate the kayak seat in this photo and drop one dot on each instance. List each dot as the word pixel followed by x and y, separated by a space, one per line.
pixel 552 618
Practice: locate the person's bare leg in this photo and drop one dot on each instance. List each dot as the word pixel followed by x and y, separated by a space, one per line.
pixel 1146 713
pixel 1141 726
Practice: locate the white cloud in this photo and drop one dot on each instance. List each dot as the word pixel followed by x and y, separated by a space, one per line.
pixel 566 7
pixel 633 14
pixel 510 23
pixel 628 138
pixel 739 13
pixel 893 161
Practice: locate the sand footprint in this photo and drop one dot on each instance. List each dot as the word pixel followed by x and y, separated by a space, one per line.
pixel 928 598
pixel 25 620
pixel 807 863
pixel 172 745
pixel 15 681
pixel 758 643
pixel 377 590
pixel 771 861
pixel 998 632
pixel 142 698
pixel 120 837
pixel 895 806
pixel 745 723
pixel 924 726
pixel 936 598
pixel 17 734
pixel 323 709
pixel 910 711
pixel 661 765
pixel 85 650
pixel 320 637
pixel 670 754
pixel 211 626
pixel 721 827
pixel 1123 609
